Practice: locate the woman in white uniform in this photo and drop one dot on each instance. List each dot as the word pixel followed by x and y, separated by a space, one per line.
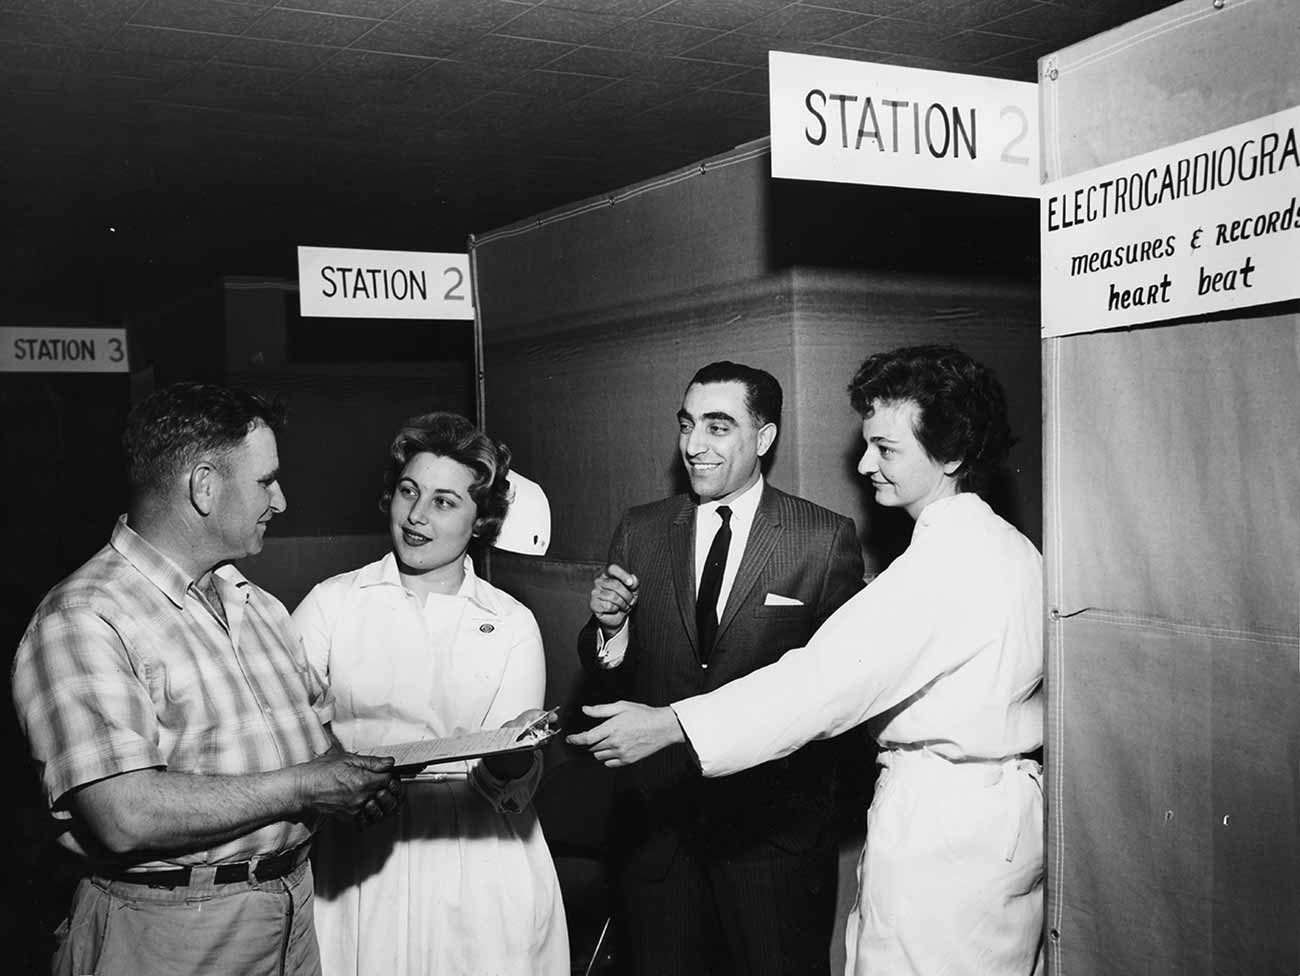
pixel 416 646
pixel 942 652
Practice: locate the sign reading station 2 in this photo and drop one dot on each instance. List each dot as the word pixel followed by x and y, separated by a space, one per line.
pixel 856 122
pixel 340 282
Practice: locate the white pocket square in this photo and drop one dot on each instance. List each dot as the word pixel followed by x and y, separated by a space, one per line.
pixel 777 600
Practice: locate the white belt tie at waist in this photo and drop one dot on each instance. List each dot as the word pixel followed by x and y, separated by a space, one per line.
pixel 976 771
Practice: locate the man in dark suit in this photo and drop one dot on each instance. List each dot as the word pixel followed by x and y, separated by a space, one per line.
pixel 739 874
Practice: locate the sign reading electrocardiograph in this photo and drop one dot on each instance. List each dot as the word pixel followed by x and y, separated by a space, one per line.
pixel 62 350
pixel 1209 224
pixel 856 122
pixel 343 282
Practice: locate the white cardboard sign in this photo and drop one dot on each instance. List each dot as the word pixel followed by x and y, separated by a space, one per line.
pixel 344 282
pixel 31 349
pixel 856 122
pixel 1209 224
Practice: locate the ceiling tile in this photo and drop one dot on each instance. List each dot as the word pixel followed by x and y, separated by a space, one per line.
pixel 737 48
pixel 724 14
pixel 345 91
pixel 629 97
pixel 460 16
pixel 260 52
pixel 395 38
pixel 894 37
pixel 32 80
pixel 978 46
pixel 18 56
pixel 33 29
pixel 600 61
pixel 317 106
pixel 303 27
pixel 875 8
pixel 693 72
pixel 433 104
pixel 653 37
pixel 44 8
pixel 208 16
pixel 711 106
pixel 397 117
pixel 167 43
pixel 228 79
pixel 1022 64
pixel 1025 55
pixel 462 77
pixel 968 13
pixel 622 8
pixel 918 61
pixel 845 53
pixel 752 81
pixel 560 85
pixel 801 23
pixel 373 66
pixel 568 26
pixel 378 9
pixel 514 51
pixel 93 20
pixel 142 66
pixel 1047 22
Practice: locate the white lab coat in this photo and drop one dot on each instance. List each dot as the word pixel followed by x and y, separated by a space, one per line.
pixel 459 882
pixel 944 651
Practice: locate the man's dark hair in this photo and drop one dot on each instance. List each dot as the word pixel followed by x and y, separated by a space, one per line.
pixel 762 391
pixel 451 436
pixel 963 409
pixel 169 430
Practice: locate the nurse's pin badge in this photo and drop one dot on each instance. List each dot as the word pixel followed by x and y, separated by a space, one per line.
pixel 485 628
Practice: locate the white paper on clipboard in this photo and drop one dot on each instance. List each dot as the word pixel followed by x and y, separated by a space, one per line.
pixel 410 757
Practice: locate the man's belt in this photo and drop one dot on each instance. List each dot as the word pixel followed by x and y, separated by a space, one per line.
pixel 258 869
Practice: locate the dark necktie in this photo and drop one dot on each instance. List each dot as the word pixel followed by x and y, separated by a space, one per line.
pixel 706 601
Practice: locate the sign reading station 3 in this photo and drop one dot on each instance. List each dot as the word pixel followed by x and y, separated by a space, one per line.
pixel 32 349
pixel 855 122
pixel 344 282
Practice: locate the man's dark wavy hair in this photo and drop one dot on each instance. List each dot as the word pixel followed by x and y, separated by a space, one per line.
pixel 172 428
pixel 963 408
pixel 452 436
pixel 762 391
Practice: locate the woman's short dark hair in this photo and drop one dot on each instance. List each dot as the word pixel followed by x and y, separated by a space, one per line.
pixel 451 436
pixel 175 426
pixel 963 408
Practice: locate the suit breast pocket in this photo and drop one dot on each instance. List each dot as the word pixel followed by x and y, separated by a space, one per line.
pixel 780 628
pixel 782 611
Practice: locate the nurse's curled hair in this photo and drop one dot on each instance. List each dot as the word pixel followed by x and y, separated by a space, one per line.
pixel 963 408
pixel 452 436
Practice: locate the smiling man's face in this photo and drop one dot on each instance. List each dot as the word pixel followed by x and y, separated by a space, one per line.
pixel 721 442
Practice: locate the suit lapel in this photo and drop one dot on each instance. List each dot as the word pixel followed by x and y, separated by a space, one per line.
pixel 681 553
pixel 763 536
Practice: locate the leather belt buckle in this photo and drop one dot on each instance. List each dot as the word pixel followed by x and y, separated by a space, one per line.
pixel 253 870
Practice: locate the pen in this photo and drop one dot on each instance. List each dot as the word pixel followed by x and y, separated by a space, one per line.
pixel 538 724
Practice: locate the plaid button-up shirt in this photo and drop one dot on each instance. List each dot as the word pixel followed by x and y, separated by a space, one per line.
pixel 124 667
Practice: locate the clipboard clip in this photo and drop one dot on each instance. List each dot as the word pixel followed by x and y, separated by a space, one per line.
pixel 540 725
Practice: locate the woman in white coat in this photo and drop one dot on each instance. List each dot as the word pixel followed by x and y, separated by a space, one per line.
pixel 942 653
pixel 416 646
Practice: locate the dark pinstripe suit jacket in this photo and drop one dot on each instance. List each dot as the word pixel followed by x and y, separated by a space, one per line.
pixel 795 549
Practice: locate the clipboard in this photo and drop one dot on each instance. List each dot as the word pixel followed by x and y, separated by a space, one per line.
pixel 411 757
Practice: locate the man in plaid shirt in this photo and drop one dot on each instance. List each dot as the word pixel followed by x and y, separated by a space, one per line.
pixel 181 737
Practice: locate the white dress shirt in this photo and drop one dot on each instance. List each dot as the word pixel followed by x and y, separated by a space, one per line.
pixel 609 653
